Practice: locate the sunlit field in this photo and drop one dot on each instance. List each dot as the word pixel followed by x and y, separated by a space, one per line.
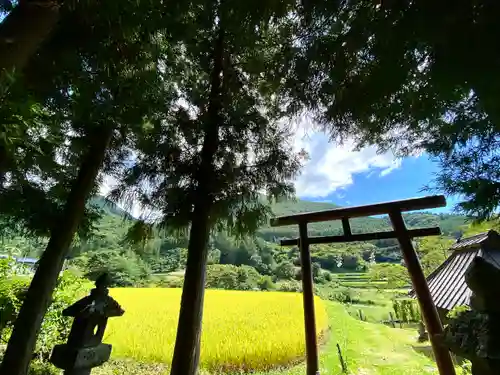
pixel 241 330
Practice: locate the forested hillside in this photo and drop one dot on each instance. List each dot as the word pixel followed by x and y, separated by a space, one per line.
pixel 449 223
pixel 166 253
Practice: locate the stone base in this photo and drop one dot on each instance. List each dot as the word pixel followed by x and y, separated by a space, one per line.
pixel 68 358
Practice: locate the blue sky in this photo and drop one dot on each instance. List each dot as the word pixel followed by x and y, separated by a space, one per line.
pixel 405 181
pixel 339 174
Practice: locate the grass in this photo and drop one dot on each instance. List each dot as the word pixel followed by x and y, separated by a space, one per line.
pixel 372 313
pixel 241 330
pixel 363 284
pixel 380 303
pixel 369 349
pixel 382 297
pixel 376 303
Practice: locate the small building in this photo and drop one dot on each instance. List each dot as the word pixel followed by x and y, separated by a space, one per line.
pixel 28 262
pixel 22 265
pixel 447 282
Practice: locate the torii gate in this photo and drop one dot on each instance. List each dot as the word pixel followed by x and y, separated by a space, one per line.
pixel 394 210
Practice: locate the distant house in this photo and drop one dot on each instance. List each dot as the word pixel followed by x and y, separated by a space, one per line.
pixel 447 283
pixel 28 262
pixel 24 264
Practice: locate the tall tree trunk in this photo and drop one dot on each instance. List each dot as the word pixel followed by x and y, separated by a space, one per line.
pixel 24 30
pixel 23 339
pixel 3 164
pixel 186 352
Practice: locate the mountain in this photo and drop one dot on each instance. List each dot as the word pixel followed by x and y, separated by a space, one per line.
pixel 109 207
pixel 112 229
pixel 449 223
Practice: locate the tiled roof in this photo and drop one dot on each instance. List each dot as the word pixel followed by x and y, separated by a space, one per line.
pixel 447 283
pixel 447 286
pixel 478 239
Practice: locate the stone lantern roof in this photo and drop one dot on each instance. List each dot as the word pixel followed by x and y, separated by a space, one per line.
pixel 98 303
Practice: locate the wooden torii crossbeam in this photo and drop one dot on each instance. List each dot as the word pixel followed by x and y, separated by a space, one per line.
pixel 404 236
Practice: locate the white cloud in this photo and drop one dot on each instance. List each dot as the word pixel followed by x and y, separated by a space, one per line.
pixel 331 165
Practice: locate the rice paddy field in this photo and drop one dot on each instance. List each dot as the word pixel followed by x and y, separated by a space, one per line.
pixel 249 331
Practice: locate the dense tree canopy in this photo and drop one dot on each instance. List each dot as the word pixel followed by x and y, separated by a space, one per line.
pixel 411 75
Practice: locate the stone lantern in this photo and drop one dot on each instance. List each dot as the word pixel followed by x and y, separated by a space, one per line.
pixel 84 349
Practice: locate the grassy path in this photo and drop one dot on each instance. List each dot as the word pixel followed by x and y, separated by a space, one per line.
pixel 369 349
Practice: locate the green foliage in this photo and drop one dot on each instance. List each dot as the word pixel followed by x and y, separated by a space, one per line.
pixel 55 327
pixel 471 172
pixel 466 368
pixel 290 286
pixel 407 310
pixel 457 311
pixel 327 276
pixel 173 282
pixel 226 276
pixel 480 227
pixel 12 291
pixel 265 283
pixel 448 223
pixel 123 269
pixel 316 268
pixel 396 275
pixel 333 292
pixel 345 295
pixel 249 154
pixel 6 266
pixel 164 254
pixel 433 251
pixel 38 367
pixel 213 256
pixel 172 259
pixel 285 270
pixel 467 332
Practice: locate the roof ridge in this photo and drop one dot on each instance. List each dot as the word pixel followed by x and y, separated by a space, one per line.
pixel 477 235
pixel 477 239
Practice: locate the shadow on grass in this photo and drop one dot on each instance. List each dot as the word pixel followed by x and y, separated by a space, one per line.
pixel 426 349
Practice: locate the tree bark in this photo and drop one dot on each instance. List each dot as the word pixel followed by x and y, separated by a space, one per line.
pixel 24 30
pixel 187 344
pixel 3 164
pixel 23 339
